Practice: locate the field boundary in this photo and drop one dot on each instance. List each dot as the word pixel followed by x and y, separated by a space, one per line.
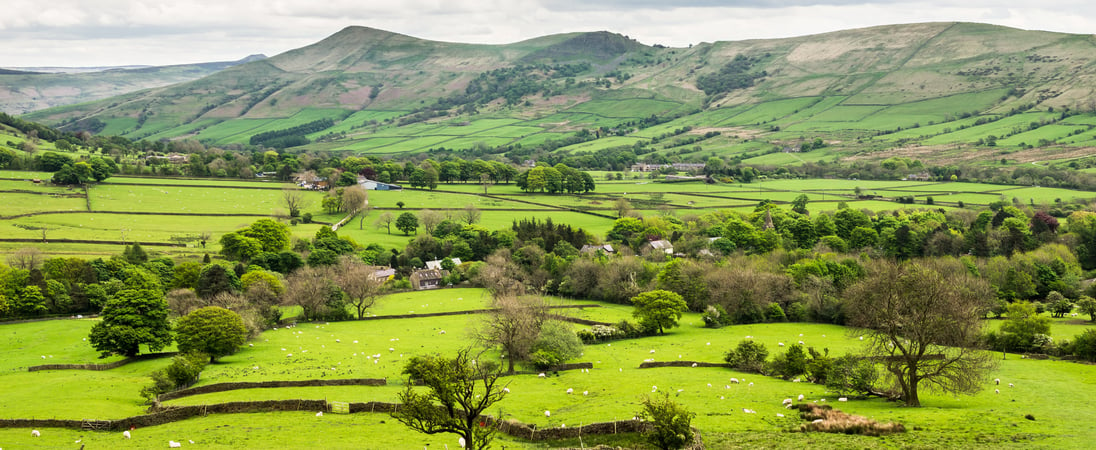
pixel 163 415
pixel 223 387
pixel 98 367
pixel 488 310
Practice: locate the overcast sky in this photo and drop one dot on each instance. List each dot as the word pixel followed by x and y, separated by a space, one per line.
pixel 159 32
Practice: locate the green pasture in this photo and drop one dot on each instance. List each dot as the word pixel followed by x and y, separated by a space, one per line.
pixel 25 174
pixel 178 199
pixel 20 203
pixel 769 111
pixel 199 182
pixel 1051 133
pixel 999 128
pixel 627 108
pixel 1055 393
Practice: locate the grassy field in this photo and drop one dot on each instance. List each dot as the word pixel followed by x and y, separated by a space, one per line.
pixel 1053 392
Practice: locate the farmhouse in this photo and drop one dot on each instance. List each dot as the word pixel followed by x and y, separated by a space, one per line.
pixel 427 279
pixel 661 245
pixel 604 248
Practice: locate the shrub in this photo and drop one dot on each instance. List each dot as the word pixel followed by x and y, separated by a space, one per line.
pixel 852 375
pixel 632 330
pixel 1084 345
pixel 543 359
pixel 789 364
pixel 749 356
pixel 819 366
pixel 828 420
pixel 599 333
pixel 713 316
pixel 183 371
pixel 557 340
pixel 797 312
pixel 775 313
pixel 670 423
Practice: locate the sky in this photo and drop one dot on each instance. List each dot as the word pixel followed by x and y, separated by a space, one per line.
pixel 72 33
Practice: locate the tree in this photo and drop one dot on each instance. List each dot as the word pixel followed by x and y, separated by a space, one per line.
pixel 212 330
pixel 470 214
pixel 134 254
pixel 407 223
pixel 1019 330
pixel 513 325
pixel 1059 304
pixel 922 322
pixel 215 279
pixel 658 309
pixel 131 318
pixel 622 207
pixel 670 423
pixel 354 199
pixel 385 220
pixel 357 281
pixel 309 288
pixel 26 258
pixel 1088 306
pixel 460 391
pixel 799 205
pixel 429 219
pixel 749 356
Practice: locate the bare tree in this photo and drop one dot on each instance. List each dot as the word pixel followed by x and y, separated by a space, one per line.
pixel 307 287
pixel 26 258
pixel 354 199
pixel 500 276
pixel 486 181
pixel 922 322
pixel 385 220
pixel 429 219
pixel 470 214
pixel 294 200
pixel 183 301
pixel 357 280
pixel 513 325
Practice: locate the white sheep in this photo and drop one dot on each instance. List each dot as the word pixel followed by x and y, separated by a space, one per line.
pixel 585 392
pixel 541 375
pixel 694 364
pixel 319 414
pixel 787 401
pixel 126 434
pixel 654 388
pixel 996 381
pixel 547 413
pixel 749 337
pixel 570 391
pixel 843 399
pixel 749 411
pixel 800 342
pixel 734 380
pixel 797 380
pixel 779 415
pixel 506 390
pixel 461 442
pixel 174 444
pixel 1011 385
pixel 441 332
pixel 780 344
pixel 709 384
pixel 801 397
pixel 750 385
pixel 652 351
pixel 996 391
pixel 35 433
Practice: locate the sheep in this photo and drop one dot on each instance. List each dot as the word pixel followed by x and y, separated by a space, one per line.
pixel 861 338
pixel 780 344
pixel 506 390
pixel 996 391
pixel 337 341
pixel 319 414
pixel 541 375
pixel 800 342
pixel 585 392
pixel 680 390
pixel 35 433
pixel 652 351
pixel 709 384
pixel 996 381
pixel 570 391
pixel 750 385
pixel 461 442
pixel 843 399
pixel 779 415
pixel 441 332
pixel 694 364
pixel 654 388
pixel 801 397
pixel 749 411
pixel 355 342
pixel 787 401
pixel 797 380
pixel 749 337
pixel 547 413
pixel 1011 385
pixel 126 434
pixel 174 444
pixel 250 345
pixel 734 380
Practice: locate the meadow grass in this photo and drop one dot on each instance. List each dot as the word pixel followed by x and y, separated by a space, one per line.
pixel 1052 391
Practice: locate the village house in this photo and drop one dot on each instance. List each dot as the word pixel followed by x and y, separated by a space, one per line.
pixel 436 264
pixel 428 279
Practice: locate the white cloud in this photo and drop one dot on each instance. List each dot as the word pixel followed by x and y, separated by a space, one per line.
pixel 114 32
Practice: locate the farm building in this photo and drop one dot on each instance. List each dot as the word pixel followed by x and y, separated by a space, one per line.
pixel 373 185
pixel 661 245
pixel 436 264
pixel 604 248
pixel 428 278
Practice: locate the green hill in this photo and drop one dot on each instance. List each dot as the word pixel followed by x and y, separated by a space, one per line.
pixel 931 91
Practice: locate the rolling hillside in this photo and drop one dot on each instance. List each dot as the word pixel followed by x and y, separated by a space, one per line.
pixel 933 91
pixel 25 91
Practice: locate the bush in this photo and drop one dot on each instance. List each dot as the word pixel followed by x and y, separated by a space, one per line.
pixel 599 333
pixel 557 340
pixel 852 375
pixel 543 359
pixel 775 313
pixel 797 312
pixel 670 423
pixel 183 371
pixel 749 356
pixel 1084 345
pixel 789 364
pixel 713 316
pixel 818 368
pixel 632 330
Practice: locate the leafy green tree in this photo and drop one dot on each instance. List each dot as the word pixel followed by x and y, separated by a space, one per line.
pixel 557 343
pixel 407 223
pixel 212 330
pixel 670 423
pixel 236 246
pixel 1020 329
pixel 1084 345
pixel 658 309
pixel 273 236
pixel 799 204
pixel 134 254
pixel 1059 305
pixel 460 390
pixel 129 319
pixel 31 302
pixel 1088 306
pixel 215 279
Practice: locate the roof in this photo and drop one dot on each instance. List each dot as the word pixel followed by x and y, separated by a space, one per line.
pixel 593 248
pixel 436 264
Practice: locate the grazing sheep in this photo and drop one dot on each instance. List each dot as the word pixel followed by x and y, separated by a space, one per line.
pixel 570 391
pixel 250 345
pixel 749 411
pixel 734 380
pixel 996 381
pixel 787 402
pixel 996 391
pixel 126 434
pixel 174 444
pixel 585 392
pixel 797 380
pixel 652 351
pixel 694 364
pixel 800 342
pixel 779 415
pixel 1011 385
pixel 319 414
pixel 780 344
pixel 680 390
pixel 35 433
pixel 541 375
pixel 506 390
pixel 461 442
pixel 843 399
pixel 861 338
pixel 709 384
pixel 801 397
pixel 547 413
pixel 750 385
pixel 654 388
pixel 749 337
